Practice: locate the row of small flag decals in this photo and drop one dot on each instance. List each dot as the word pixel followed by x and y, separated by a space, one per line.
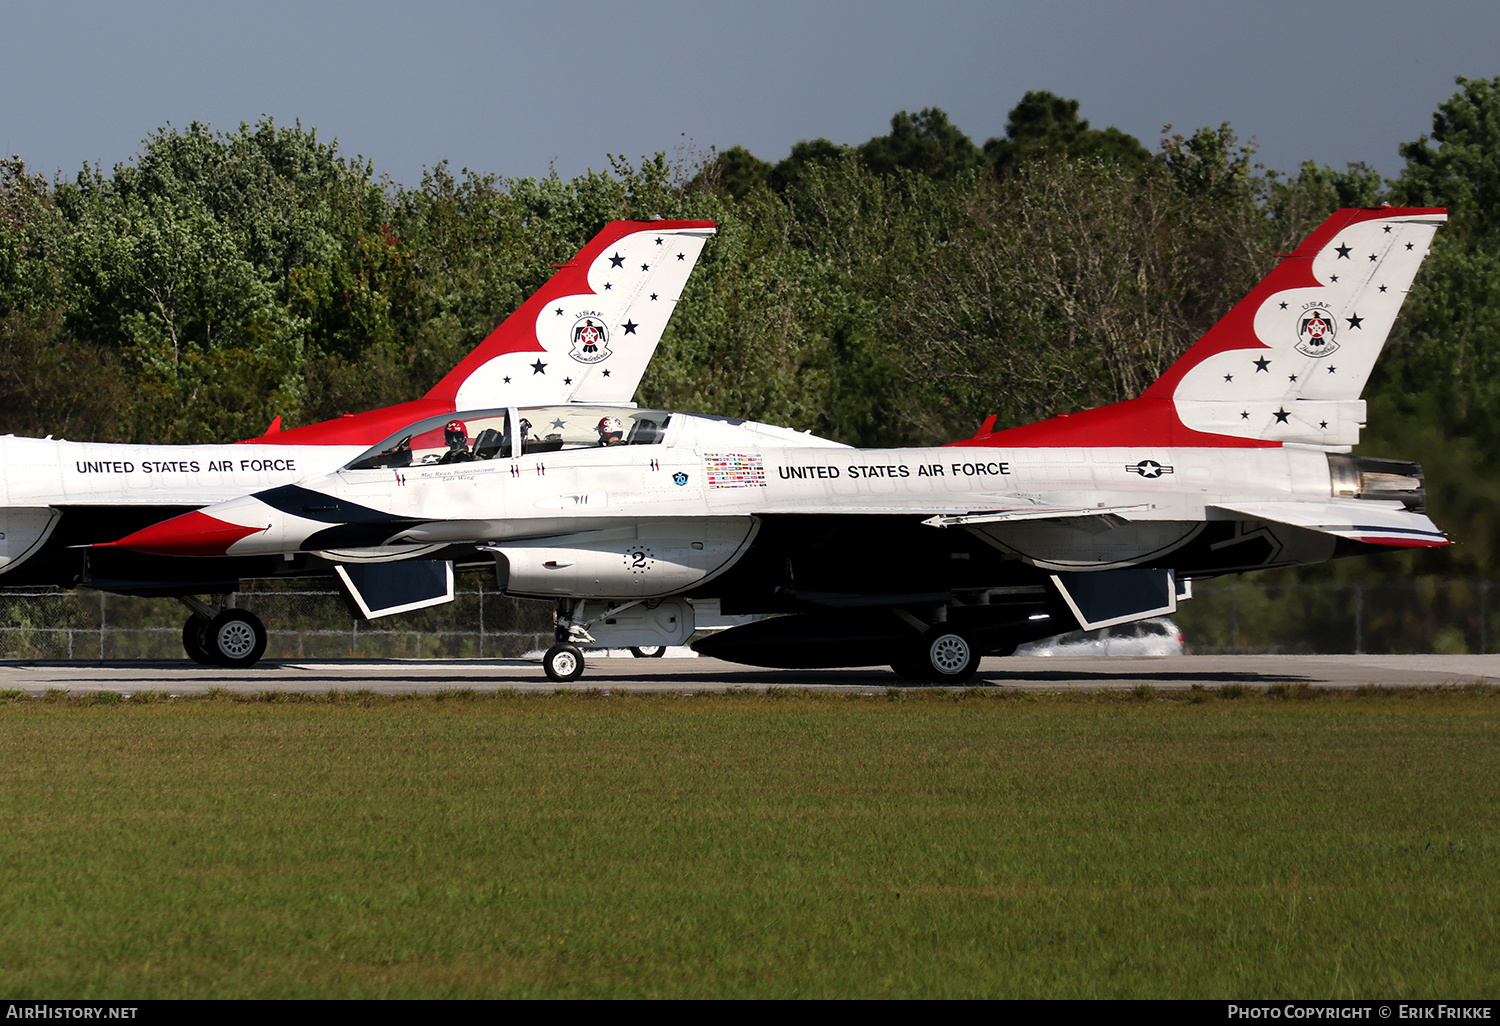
pixel 734 470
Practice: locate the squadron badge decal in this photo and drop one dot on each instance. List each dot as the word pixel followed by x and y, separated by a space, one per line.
pixel 590 339
pixel 1315 330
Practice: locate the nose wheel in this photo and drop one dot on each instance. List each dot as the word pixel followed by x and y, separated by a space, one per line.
pixel 563 663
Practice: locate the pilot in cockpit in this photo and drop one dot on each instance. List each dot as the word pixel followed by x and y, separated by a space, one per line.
pixel 611 431
pixel 456 434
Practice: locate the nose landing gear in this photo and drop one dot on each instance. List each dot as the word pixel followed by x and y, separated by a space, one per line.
pixel 563 663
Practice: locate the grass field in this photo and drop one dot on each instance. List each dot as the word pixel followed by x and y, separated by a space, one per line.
pixel 1209 844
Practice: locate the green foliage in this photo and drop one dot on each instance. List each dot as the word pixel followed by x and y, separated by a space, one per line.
pixel 1463 171
pixel 737 171
pixel 32 234
pixel 1044 125
pixel 50 383
pixel 804 153
pixel 926 143
pixel 191 266
pixel 1396 604
pixel 1071 284
pixel 1297 204
pixel 784 320
pixel 1209 165
pixel 1438 384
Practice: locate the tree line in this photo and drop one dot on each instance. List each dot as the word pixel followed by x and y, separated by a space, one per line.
pixel 896 292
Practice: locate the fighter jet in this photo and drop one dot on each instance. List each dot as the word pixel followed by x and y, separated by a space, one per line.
pixel 586 335
pixel 1237 458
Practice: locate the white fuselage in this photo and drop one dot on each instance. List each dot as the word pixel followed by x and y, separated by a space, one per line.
pixel 43 477
pixel 706 468
pixel 53 472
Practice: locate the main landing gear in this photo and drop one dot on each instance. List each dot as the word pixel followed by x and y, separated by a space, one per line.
pixel 224 637
pixel 944 653
pixel 942 656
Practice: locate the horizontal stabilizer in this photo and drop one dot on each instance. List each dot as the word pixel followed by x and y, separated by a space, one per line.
pixel 384 589
pixel 1334 423
pixel 1374 523
pixel 1118 596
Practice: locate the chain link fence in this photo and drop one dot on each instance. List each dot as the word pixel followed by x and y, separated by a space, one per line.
pixel 303 623
pixel 1234 615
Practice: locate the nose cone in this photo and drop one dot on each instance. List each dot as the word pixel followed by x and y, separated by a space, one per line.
pixel 192 534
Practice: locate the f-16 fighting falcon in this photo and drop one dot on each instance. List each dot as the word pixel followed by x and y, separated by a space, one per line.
pixel 1237 458
pixel 585 336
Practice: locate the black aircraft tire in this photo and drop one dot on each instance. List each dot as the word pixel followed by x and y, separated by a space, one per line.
pixel 563 663
pixel 192 640
pixel 235 638
pixel 648 651
pixel 948 656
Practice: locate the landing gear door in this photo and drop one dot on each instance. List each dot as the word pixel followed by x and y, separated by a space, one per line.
pixel 384 589
pixel 1112 597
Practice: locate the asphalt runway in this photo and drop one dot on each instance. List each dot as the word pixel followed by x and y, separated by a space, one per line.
pixel 392 676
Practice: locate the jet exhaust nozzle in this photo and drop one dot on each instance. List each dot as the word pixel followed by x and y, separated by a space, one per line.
pixel 1367 477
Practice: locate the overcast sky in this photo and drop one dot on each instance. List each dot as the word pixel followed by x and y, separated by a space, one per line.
pixel 514 88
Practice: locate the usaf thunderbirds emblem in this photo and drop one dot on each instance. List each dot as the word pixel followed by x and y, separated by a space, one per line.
pixel 1315 331
pixel 679 478
pixel 590 340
